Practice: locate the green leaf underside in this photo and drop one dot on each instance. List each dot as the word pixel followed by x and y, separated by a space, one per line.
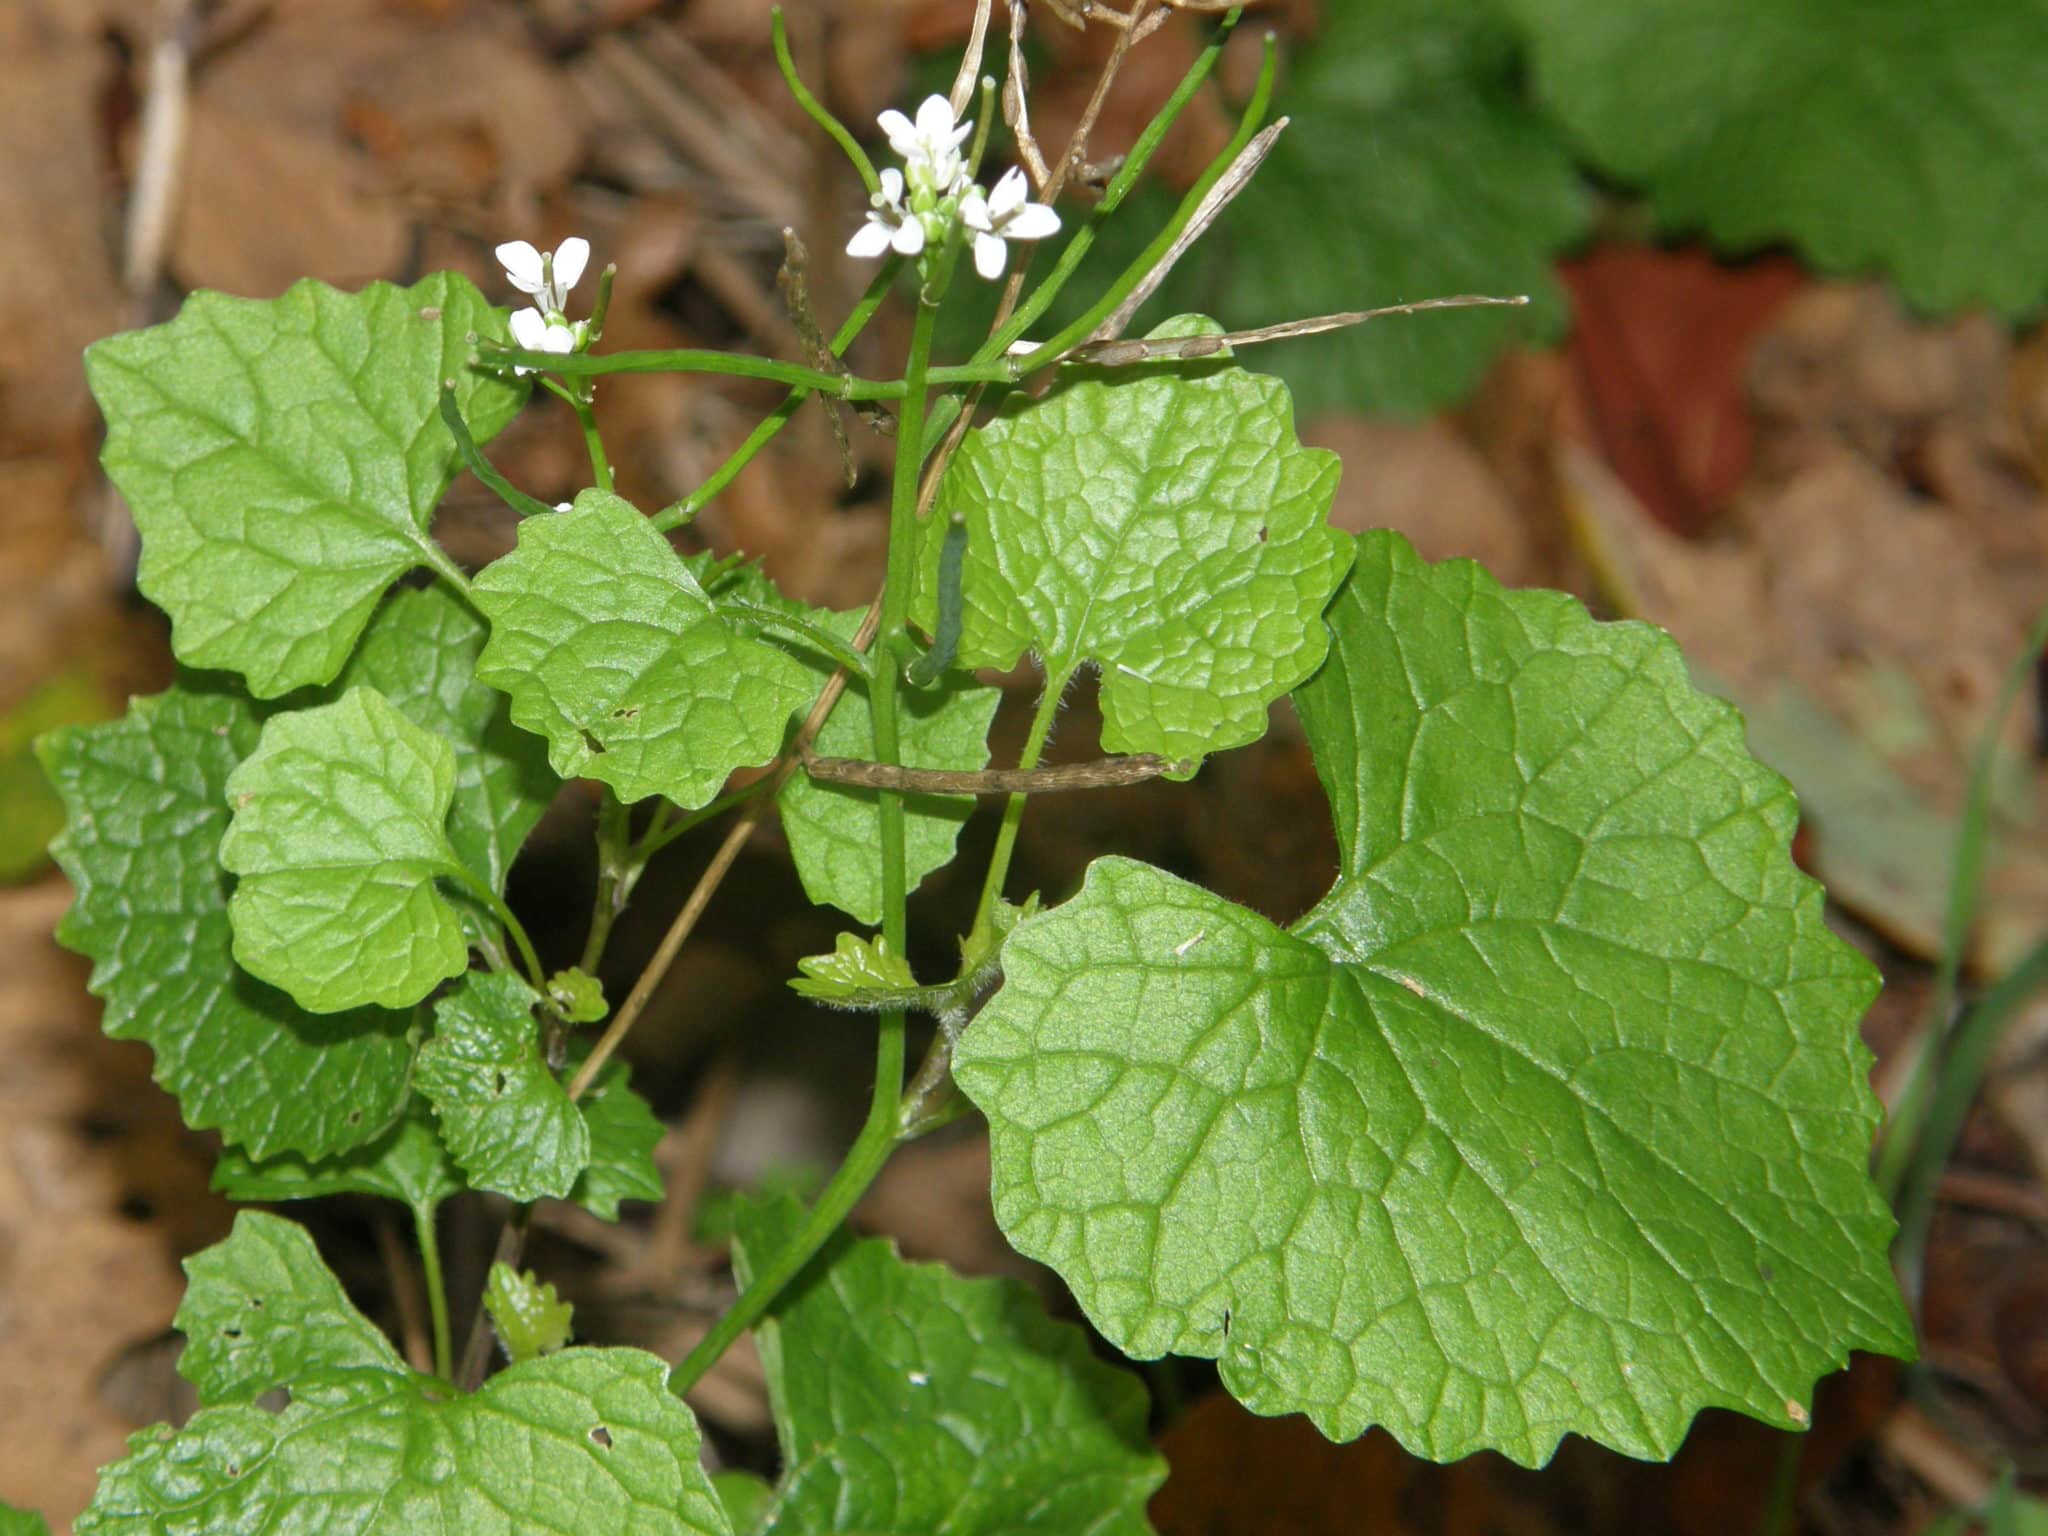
pixel 1551 1118
pixel 584 1440
pixel 610 650
pixel 909 1400
pixel 338 835
pixel 26 1522
pixel 146 798
pixel 1786 119
pixel 530 1319
pixel 1409 116
pixel 1165 525
pixel 407 1164
pixel 505 1119
pixel 283 459
pixel 420 653
pixel 623 1135
pixel 835 830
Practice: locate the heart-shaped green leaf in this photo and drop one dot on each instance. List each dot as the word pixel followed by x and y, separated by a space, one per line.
pixel 1163 524
pixel 504 1117
pixel 610 650
pixel 283 458
pixel 147 802
pixel 1552 1118
pixel 339 833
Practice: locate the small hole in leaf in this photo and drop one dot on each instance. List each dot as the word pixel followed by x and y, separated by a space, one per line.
pixel 1226 1322
pixel 498 1083
pixel 256 1302
pixel 599 1435
pixel 1262 535
pixel 355 1117
pixel 624 713
pixel 231 1333
pixel 234 1469
pixel 595 746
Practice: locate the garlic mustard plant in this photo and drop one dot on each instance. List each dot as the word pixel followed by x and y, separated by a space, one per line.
pixel 1549 1118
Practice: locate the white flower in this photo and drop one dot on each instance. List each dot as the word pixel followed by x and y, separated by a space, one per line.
pixel 930 147
pixel 547 278
pixel 1004 214
pixel 537 332
pixel 890 225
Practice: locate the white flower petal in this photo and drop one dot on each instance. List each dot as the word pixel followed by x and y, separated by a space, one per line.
pixel 898 128
pixel 571 257
pixel 558 338
pixel 989 256
pixel 529 329
pixel 974 211
pixel 1034 221
pixel 909 237
pixel 892 186
pixel 522 265
pixel 935 120
pixel 1010 194
pixel 870 240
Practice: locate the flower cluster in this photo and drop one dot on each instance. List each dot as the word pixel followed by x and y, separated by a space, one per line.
pixel 546 277
pixel 919 205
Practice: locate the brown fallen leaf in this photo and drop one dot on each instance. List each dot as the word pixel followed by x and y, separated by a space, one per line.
pixel 263 206
pixel 1660 339
pixel 57 285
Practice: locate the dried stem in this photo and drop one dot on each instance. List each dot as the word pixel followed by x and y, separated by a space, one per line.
pixel 1106 773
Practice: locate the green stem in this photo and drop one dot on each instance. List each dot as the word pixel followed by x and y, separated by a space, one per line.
pixel 1013 809
pixel 656 840
pixel 1966 882
pixel 855 662
pixel 485 471
pixel 815 109
pixel 681 512
pixel 600 466
pixel 839 386
pixel 437 1288
pixel 617 864
pixel 878 1135
pixel 877 1140
pixel 505 915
